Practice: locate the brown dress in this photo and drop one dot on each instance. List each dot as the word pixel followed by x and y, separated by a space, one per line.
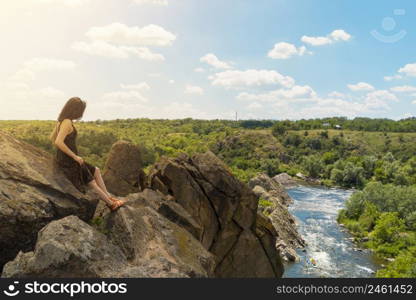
pixel 79 175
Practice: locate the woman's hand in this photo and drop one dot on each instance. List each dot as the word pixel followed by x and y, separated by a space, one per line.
pixel 79 159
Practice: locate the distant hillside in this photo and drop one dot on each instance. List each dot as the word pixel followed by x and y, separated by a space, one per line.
pixel 316 153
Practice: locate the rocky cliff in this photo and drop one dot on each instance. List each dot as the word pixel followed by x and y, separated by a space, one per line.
pixel 288 239
pixel 226 211
pixel 32 193
pixel 189 218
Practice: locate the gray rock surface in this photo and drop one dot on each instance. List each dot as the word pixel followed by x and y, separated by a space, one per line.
pixel 225 209
pixel 288 238
pixel 138 242
pixel 33 192
pixel 285 179
pixel 123 172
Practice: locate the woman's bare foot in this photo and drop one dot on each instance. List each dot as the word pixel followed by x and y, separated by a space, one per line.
pixel 117 203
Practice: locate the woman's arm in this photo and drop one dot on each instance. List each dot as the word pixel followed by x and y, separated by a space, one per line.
pixel 64 130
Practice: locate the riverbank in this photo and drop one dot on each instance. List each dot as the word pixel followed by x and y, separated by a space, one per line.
pixel 362 242
pixel 329 250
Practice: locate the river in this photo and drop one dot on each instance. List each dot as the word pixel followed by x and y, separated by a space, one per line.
pixel 330 251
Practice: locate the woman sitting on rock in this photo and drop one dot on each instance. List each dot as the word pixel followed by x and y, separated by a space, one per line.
pixel 79 172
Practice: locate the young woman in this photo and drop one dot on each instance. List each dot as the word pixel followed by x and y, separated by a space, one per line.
pixel 79 172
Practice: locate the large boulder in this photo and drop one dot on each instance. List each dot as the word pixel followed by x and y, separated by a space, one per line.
pixel 135 241
pixel 285 180
pixel 68 247
pixel 225 209
pixel 144 235
pixel 123 172
pixel 33 192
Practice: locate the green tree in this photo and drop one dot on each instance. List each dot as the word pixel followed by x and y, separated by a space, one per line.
pixel 369 216
pixel 313 165
pixel 385 237
pixel 278 129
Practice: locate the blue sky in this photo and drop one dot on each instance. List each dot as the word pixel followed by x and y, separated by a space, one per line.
pixel 265 59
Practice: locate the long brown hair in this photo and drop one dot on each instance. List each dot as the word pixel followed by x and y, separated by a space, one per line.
pixel 73 109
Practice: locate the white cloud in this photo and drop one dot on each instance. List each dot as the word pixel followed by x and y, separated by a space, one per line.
pixel 142 86
pixel 335 36
pixel 333 107
pixel 236 79
pixel 194 90
pixel 361 86
pixel 171 81
pixel 340 35
pixel 25 102
pixel 118 33
pixel 37 65
pixel 336 94
pixel 124 97
pixel 24 92
pixel 49 64
pixel 406 116
pixel 254 105
pixel 178 110
pixel 23 75
pixel 391 78
pixel 380 96
pixel 199 70
pixel 100 48
pixel 301 102
pixel 213 60
pixel 374 102
pixel 131 94
pixel 104 49
pixel 15 86
pixel 297 93
pixel 409 70
pixel 65 2
pixel 316 41
pixel 50 92
pixel 156 2
pixel 285 50
pixel 403 89
pixel 315 108
pixel 144 53
pixel 118 40
pixel 28 102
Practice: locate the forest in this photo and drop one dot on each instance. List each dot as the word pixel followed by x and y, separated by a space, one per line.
pixel 374 156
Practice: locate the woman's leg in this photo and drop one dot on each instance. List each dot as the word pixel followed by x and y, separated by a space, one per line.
pixel 100 181
pixel 103 195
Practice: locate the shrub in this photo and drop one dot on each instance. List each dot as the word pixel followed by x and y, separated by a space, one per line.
pixel 404 266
